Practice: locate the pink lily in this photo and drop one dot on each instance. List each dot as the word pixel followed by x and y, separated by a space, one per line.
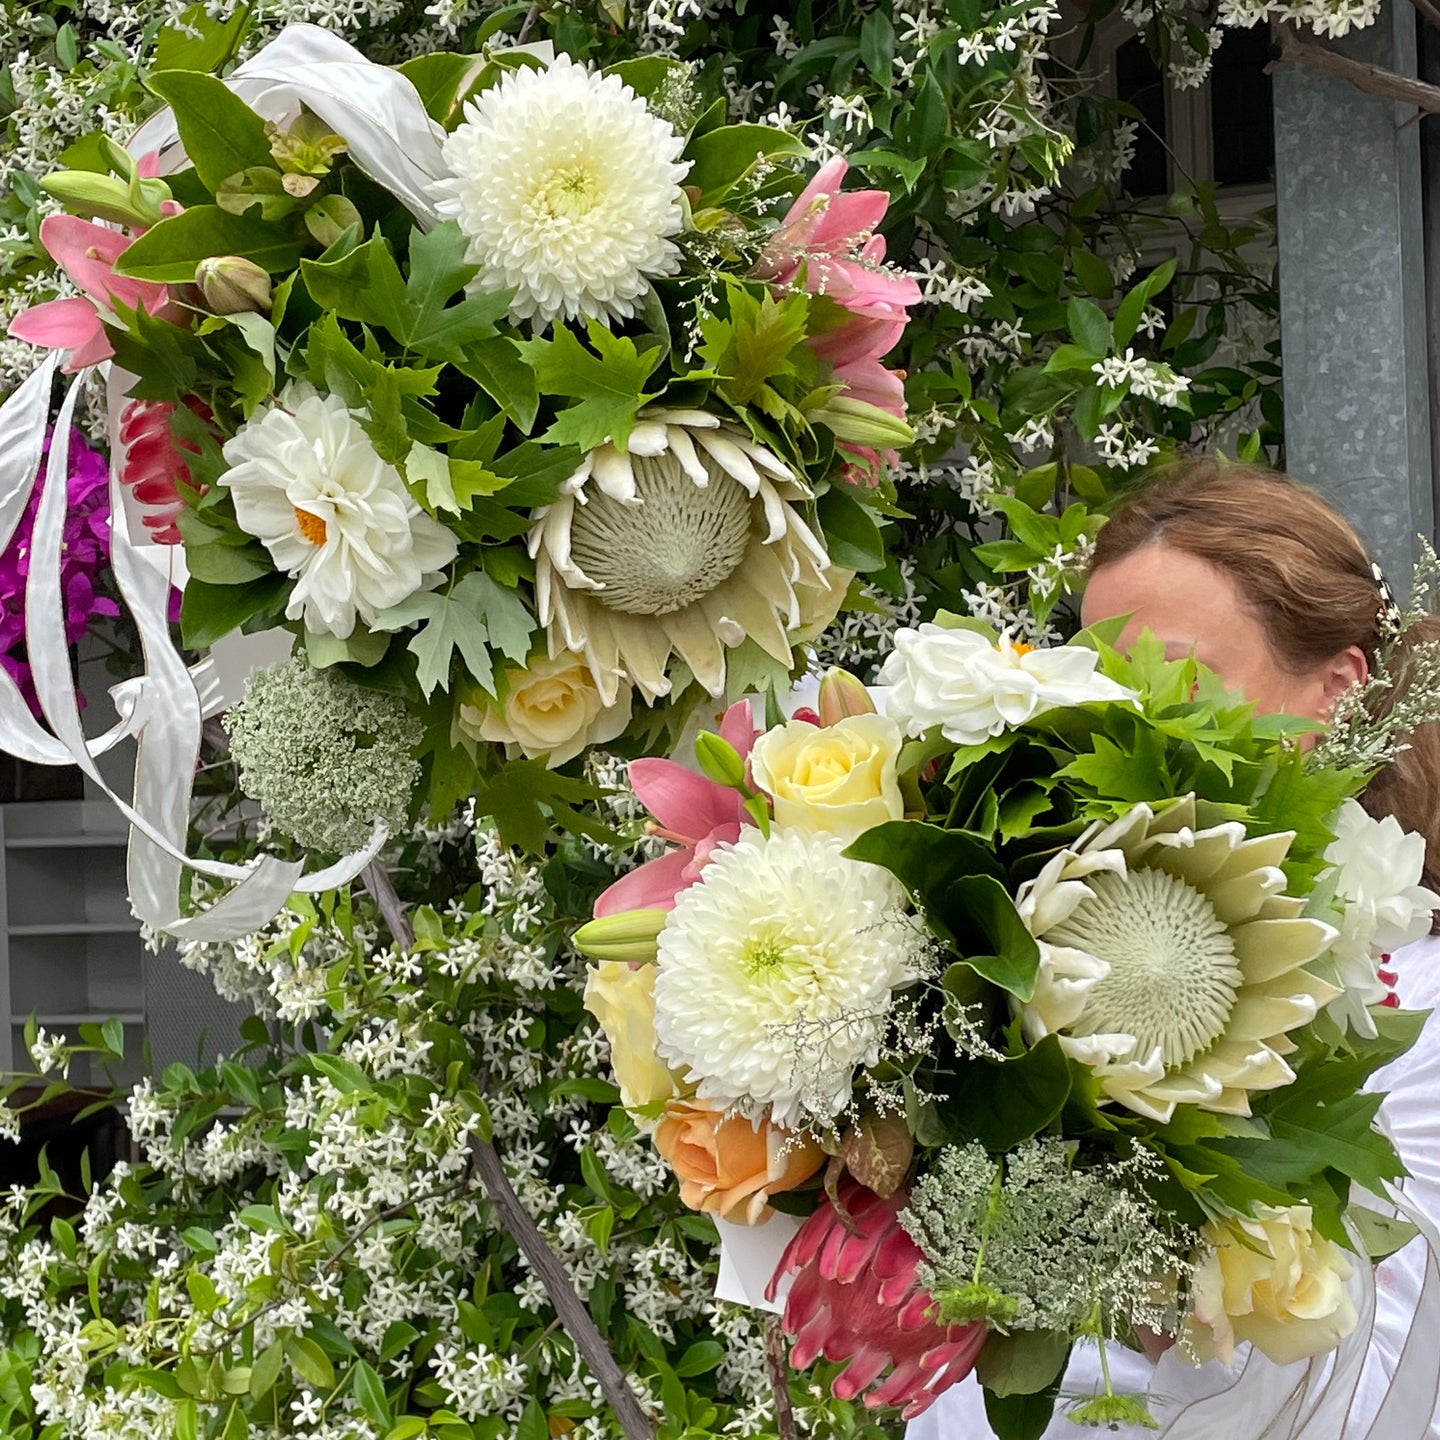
pixel 833 237
pixel 87 253
pixel 691 810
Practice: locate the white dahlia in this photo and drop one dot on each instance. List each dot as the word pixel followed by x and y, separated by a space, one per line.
pixel 973 687
pixel 307 482
pixel 687 543
pixel 776 971
pixel 1378 869
pixel 1171 960
pixel 568 189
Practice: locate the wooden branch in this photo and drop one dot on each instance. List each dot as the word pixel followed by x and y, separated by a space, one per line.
pixel 636 1424
pixel 777 1362
pixel 1298 49
pixel 576 1319
pixel 528 23
pixel 392 908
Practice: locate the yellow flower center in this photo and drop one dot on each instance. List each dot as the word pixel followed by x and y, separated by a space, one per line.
pixel 765 952
pixel 312 527
pixel 1173 977
pixel 1019 647
pixel 568 192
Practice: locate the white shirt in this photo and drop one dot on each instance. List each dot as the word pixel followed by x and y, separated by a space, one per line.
pixel 1411 1115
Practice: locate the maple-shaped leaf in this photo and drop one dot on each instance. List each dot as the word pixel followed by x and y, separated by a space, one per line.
pixel 475 617
pixel 608 381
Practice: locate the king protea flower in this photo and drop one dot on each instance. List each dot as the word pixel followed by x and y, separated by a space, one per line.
pixel 857 1299
pixel 1172 960
pixel 686 543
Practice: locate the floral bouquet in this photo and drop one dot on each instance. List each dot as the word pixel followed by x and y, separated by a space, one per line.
pixel 537 401
pixel 1046 995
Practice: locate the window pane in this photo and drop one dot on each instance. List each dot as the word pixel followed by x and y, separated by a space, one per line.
pixel 1242 114
pixel 1138 81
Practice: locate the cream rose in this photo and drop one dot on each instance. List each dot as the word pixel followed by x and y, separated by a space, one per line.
pixel 551 708
pixel 1274 1281
pixel 622 998
pixel 834 781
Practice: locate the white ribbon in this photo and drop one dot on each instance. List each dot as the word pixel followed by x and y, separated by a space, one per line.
pixel 164 708
pixel 376 110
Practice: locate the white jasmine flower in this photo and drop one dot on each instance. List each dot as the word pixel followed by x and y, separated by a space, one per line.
pixel 1378 869
pixel 1171 960
pixel 687 543
pixel 775 974
pixel 568 189
pixel 973 687
pixel 307 482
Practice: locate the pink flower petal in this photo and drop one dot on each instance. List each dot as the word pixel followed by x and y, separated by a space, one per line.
pixel 685 804
pixel 58 324
pixel 652 886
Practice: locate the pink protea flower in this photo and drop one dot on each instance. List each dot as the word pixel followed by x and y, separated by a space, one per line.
pixel 87 253
pixel 857 1298
pixel 694 812
pixel 154 466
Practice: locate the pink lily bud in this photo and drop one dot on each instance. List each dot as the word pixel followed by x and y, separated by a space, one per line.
pixel 841 694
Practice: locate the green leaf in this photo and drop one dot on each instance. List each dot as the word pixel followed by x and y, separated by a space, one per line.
pixel 1072 357
pixel 443 80
pixel 851 534
pixel 977 911
pixel 1093 273
pixel 1023 1363
pixel 198 41
pixel 700 1359
pixel 1002 1102
pixel 220 132
pixel 476 615
pixel 877 47
pixel 1088 326
pixel 209 611
pixel 311 1363
pixel 609 383
pixel 754 345
pixel 168 253
pixel 496 367
pixel 525 799
pixel 724 156
pixel 366 285
pixel 370 1392
pixel 1021 1417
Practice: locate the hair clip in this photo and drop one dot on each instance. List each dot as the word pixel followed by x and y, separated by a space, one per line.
pixel 1390 617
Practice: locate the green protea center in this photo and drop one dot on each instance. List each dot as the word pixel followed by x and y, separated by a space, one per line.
pixel 690 541
pixel 1173 976
pixel 1172 960
pixel 671 546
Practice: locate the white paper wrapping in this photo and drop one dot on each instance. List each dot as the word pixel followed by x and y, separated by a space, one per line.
pixel 749 1257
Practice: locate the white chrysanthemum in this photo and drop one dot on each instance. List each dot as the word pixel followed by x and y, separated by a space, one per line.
pixel 1171 960
pixel 973 688
pixel 775 974
pixel 1378 869
pixel 307 482
pixel 686 543
pixel 567 188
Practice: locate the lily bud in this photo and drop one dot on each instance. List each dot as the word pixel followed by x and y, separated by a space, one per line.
pixel 232 285
pixel 858 422
pixel 841 694
pixel 720 760
pixel 106 197
pixel 632 935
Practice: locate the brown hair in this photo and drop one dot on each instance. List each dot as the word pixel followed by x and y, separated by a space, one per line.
pixel 1308 579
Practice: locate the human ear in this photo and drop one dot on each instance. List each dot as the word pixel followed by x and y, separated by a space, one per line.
pixel 1347 669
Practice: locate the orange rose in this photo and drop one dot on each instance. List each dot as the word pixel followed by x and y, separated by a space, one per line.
pixel 728 1166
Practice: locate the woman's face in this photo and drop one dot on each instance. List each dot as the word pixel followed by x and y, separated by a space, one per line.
pixel 1197 610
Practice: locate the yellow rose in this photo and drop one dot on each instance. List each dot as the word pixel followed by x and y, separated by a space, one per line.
pixel 1274 1281
pixel 622 998
pixel 730 1166
pixel 551 708
pixel 835 781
